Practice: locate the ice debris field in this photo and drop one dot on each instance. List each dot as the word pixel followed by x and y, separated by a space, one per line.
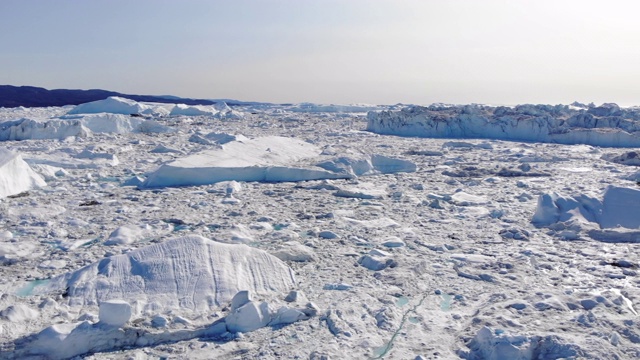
pixel 152 231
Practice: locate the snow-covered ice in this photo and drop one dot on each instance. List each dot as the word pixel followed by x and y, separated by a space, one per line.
pixel 288 231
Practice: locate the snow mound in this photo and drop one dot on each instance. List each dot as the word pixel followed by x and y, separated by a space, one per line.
pixel 612 219
pixel 15 174
pixel 118 105
pixel 267 159
pixel 79 126
pixel 607 125
pixel 190 272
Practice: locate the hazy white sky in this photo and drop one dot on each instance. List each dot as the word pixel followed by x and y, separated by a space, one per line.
pixel 330 51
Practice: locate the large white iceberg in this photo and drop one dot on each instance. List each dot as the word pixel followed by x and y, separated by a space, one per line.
pixel 190 272
pixel 77 125
pixel 118 105
pixel 606 125
pixel 15 174
pixel 268 159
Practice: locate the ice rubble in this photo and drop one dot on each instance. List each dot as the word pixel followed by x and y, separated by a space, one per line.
pixel 268 159
pixel 606 125
pixel 111 332
pixel 612 219
pixel 187 273
pixel 190 272
pixel 15 174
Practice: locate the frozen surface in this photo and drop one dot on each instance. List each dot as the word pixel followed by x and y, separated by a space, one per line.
pixel 405 248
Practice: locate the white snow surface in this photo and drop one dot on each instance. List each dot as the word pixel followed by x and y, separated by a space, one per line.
pixel 190 272
pixel 607 125
pixel 16 175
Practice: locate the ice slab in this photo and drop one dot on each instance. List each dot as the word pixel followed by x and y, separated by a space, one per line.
pixel 268 159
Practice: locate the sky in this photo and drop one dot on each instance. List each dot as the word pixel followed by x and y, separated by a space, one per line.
pixel 329 51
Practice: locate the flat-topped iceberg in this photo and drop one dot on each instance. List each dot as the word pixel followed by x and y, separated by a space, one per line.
pixel 606 125
pixel 268 159
pixel 77 125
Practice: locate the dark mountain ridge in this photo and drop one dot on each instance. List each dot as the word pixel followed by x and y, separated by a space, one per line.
pixel 31 96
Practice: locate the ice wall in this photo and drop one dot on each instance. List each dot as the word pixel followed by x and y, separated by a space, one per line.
pixel 607 125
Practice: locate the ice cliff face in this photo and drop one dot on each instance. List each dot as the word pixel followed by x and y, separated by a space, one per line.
pixel 606 125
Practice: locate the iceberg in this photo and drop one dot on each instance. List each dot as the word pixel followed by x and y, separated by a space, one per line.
pixel 268 159
pixel 607 125
pixel 191 272
pixel 16 175
pixel 119 105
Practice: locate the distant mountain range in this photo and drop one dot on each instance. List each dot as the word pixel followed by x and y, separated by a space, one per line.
pixel 30 96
